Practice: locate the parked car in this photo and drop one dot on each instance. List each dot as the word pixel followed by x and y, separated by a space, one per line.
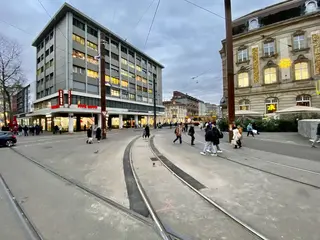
pixel 7 139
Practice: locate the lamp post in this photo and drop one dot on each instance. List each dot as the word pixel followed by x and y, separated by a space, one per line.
pixel 154 104
pixel 103 86
pixel 230 75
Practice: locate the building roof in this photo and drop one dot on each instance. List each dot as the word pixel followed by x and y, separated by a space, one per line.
pixel 64 9
pixel 285 5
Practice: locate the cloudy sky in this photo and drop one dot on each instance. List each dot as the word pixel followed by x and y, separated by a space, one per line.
pixel 184 38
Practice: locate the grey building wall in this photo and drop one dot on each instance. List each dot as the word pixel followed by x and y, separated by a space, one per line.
pixel 61 54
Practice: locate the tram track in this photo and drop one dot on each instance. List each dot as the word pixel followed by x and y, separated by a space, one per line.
pixel 30 228
pixel 86 189
pixel 194 186
pixel 269 172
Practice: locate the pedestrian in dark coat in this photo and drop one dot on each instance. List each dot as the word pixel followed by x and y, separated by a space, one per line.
pixel 98 134
pixel 191 134
pixel 147 131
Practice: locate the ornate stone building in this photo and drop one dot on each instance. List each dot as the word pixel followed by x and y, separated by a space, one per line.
pixel 276 58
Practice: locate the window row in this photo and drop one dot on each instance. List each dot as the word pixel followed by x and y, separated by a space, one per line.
pixel 271 104
pixel 81 71
pixel 269 48
pixel 47 39
pixel 81 25
pixel 81 41
pixel 270 74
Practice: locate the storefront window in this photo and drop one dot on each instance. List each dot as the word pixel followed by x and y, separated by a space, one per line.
pixel 64 123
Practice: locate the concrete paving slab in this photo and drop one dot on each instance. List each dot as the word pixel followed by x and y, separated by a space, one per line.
pixel 98 166
pixel 11 225
pixel 276 207
pixel 61 211
pixel 181 210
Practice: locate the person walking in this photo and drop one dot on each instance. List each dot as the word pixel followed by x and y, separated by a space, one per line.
pixel 249 130
pixel 147 131
pixel 25 129
pixel 191 134
pixel 98 134
pixel 220 135
pixel 178 132
pixel 316 139
pixel 236 138
pixel 208 146
pixel 89 135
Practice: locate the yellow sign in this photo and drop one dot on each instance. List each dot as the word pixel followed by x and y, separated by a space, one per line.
pixel 285 63
pixel 316 52
pixel 255 57
pixel 318 87
pixel 271 107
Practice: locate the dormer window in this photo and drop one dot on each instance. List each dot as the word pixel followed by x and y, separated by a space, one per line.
pixel 311 6
pixel 253 23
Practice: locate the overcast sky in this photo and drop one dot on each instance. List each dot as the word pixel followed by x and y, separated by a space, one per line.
pixel 184 38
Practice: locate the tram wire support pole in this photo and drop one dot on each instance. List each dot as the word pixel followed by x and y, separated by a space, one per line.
pixel 103 102
pixel 154 104
pixel 230 70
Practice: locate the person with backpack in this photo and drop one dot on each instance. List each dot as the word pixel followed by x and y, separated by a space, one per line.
pixel 178 133
pixel 191 134
pixel 220 135
pixel 208 146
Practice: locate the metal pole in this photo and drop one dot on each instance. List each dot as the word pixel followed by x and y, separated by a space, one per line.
pixel 154 104
pixel 103 86
pixel 230 75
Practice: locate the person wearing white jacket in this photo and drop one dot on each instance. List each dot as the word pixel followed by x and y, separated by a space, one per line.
pixel 236 138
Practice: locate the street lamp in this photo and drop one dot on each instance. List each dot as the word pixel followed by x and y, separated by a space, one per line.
pixel 103 86
pixel 230 75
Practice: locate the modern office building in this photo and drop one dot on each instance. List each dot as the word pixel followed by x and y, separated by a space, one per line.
pixel 276 58
pixel 68 76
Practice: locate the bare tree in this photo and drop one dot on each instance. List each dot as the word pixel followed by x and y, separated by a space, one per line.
pixel 11 77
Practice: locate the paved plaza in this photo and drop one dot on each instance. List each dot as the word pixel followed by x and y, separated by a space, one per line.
pixel 126 187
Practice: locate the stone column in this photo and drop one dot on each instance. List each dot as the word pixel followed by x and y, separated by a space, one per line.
pixel 120 121
pixel 70 115
pixel 136 120
pixel 99 120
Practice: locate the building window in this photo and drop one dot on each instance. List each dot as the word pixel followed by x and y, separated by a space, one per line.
pixel 243 55
pixel 123 49
pixel 92 60
pixel 303 100
pixel 79 85
pixel 269 49
pixel 298 42
pixel 107 78
pixel 139 88
pixel 47 65
pixel 150 100
pixel 144 99
pixel 115 93
pixel 270 75
pixel 311 6
pixel 301 71
pixel 114 56
pixel 144 81
pixel 115 81
pixel 92 45
pixel 92 73
pixel 139 79
pixel 145 89
pixel 150 91
pixel 271 105
pixel 244 104
pixel 131 65
pixel 92 88
pixel 114 44
pixel 243 79
pixel 78 24
pixel 138 68
pixel 78 70
pixel 124 61
pixel 139 98
pixel 51 62
pixel 78 39
pixel 124 94
pixel 132 96
pixel 77 54
pixel 92 31
pixel 124 84
pixel 124 72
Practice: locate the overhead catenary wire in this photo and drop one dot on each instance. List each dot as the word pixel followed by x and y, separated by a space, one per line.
pixel 154 16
